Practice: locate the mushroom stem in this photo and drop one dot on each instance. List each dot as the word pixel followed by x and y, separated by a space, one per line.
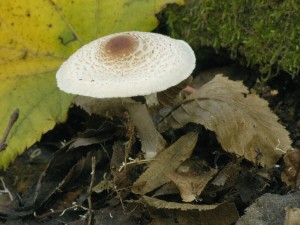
pixel 151 140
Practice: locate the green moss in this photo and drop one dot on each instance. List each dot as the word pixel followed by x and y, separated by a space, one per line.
pixel 262 33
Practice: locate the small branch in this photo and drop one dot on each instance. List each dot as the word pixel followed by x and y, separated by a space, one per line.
pixel 61 212
pixel 130 134
pixel 13 118
pixel 5 190
pixel 90 211
pixel 134 161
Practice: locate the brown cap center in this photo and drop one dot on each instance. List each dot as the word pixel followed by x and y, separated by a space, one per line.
pixel 120 46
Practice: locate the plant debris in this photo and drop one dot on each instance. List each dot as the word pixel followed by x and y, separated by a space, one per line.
pixel 243 122
pixel 184 213
pixel 100 174
pixel 291 172
pixel 159 169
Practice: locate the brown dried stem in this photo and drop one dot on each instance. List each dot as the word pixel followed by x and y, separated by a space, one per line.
pixel 90 211
pixel 13 118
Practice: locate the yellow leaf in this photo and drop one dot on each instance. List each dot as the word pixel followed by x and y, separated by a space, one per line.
pixel 36 36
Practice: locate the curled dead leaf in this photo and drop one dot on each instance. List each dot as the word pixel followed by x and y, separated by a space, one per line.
pixel 292 216
pixel 242 121
pixel 165 162
pixel 227 175
pixel 168 97
pixel 191 185
pixel 291 172
pixel 185 213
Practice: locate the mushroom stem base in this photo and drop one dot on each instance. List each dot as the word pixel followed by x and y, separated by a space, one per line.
pixel 151 140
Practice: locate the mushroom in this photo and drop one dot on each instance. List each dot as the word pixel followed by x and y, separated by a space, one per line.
pixel 127 64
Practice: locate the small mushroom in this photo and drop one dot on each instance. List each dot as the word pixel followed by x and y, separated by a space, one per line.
pixel 127 64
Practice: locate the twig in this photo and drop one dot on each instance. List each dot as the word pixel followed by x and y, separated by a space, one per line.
pixel 130 134
pixel 13 118
pixel 5 190
pixel 90 212
pixel 134 161
pixel 60 212
pixel 277 148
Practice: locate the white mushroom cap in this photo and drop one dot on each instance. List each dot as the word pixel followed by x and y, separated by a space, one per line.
pixel 126 64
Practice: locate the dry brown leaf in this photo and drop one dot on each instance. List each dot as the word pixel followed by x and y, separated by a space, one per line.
pixel 63 171
pixel 227 175
pixel 186 214
pixel 292 216
pixel 168 97
pixel 115 215
pixel 243 122
pixel 291 172
pixel 191 185
pixel 165 162
pixel 166 189
pixel 161 204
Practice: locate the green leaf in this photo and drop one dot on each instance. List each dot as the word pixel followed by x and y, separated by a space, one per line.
pixel 36 37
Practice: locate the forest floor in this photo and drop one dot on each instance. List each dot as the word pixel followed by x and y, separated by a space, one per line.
pixel 83 171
